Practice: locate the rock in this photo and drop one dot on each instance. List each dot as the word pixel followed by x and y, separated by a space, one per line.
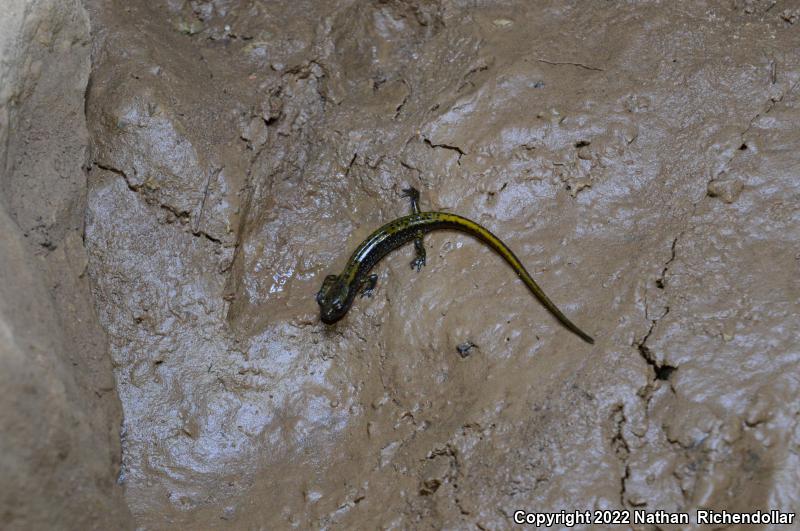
pixel 59 412
pixel 725 188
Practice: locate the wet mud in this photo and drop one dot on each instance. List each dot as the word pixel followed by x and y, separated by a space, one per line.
pixel 641 160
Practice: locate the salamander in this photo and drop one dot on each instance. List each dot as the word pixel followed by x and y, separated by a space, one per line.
pixel 338 292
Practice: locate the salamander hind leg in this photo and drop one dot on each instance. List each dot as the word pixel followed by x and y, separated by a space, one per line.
pixel 413 194
pixel 368 285
pixel 419 247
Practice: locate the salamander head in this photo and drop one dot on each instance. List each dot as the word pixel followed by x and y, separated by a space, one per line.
pixel 333 299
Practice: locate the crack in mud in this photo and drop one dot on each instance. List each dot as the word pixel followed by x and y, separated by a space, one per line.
pixel 569 63
pixel 199 217
pixel 769 105
pixel 180 214
pixel 620 447
pixel 350 165
pixel 660 280
pixel 661 371
pixel 457 149
pixel 402 104
pixel 119 172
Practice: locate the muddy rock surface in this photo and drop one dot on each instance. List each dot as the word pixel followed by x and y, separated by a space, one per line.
pixel 640 160
pixel 59 412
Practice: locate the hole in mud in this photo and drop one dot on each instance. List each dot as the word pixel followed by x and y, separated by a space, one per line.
pixel 743 147
pixel 664 372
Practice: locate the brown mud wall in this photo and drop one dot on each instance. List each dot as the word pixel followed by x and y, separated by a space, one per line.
pixel 59 412
pixel 642 161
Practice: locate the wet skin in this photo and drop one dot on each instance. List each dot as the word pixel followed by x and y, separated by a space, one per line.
pixel 338 291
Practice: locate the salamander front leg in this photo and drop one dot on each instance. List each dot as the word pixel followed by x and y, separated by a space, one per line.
pixel 417 263
pixel 419 246
pixel 368 284
pixel 413 194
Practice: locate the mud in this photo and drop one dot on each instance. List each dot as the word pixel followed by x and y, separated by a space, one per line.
pixel 59 412
pixel 640 159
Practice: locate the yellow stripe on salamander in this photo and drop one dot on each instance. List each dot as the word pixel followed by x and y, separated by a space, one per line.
pixel 428 221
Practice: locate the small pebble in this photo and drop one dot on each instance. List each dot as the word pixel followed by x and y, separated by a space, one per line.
pixel 727 189
pixel 502 22
pixel 464 348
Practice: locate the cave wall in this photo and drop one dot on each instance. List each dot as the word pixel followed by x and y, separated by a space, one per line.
pixel 59 412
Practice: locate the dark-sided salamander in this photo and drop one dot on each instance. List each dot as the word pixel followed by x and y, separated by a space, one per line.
pixel 338 291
